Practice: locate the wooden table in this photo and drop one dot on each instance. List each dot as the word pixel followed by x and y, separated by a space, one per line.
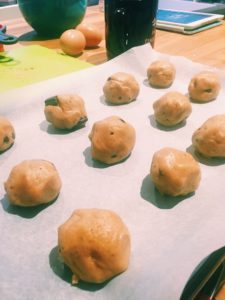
pixel 206 47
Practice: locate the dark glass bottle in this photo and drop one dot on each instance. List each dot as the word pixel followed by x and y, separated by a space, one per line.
pixel 129 23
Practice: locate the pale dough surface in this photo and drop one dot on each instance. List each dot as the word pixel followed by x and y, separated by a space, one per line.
pixel 209 139
pixel 161 73
pixel 32 182
pixel 204 87
pixel 112 140
pixel 221 294
pixel 7 134
pixel 157 224
pixel 68 113
pixel 121 88
pixel 95 244
pixel 172 108
pixel 175 172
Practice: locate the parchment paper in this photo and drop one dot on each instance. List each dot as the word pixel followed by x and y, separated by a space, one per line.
pixel 170 236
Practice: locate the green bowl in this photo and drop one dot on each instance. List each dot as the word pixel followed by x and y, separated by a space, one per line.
pixel 51 18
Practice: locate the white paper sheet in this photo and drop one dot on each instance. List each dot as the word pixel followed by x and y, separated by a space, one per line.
pixel 169 237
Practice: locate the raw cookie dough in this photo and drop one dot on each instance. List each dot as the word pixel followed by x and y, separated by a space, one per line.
pixel 161 73
pixel 112 140
pixel 7 134
pixel 209 139
pixel 172 108
pixel 94 244
pixel 175 172
pixel 221 293
pixel 121 88
pixel 32 182
pixel 204 87
pixel 65 111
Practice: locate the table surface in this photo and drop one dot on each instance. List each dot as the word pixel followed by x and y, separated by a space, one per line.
pixel 207 47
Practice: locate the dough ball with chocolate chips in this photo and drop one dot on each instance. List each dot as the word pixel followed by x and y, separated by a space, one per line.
pixel 112 140
pixel 161 73
pixel 32 182
pixel 7 134
pixel 121 88
pixel 94 244
pixel 209 139
pixel 204 87
pixel 172 108
pixel 65 111
pixel 175 172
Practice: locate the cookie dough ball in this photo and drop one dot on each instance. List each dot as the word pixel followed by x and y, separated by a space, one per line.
pixel 172 108
pixel 7 134
pixel 209 139
pixel 220 295
pixel 33 182
pixel 175 172
pixel 121 88
pixel 65 111
pixel 204 87
pixel 94 244
pixel 112 140
pixel 161 73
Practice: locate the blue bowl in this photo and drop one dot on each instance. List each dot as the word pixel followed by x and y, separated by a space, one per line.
pixel 51 18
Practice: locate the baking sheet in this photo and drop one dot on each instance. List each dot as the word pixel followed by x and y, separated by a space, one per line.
pixel 170 236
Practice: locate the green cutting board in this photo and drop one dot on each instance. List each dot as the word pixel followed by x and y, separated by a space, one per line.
pixel 30 64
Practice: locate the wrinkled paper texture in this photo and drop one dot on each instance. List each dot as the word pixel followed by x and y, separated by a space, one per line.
pixel 170 236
